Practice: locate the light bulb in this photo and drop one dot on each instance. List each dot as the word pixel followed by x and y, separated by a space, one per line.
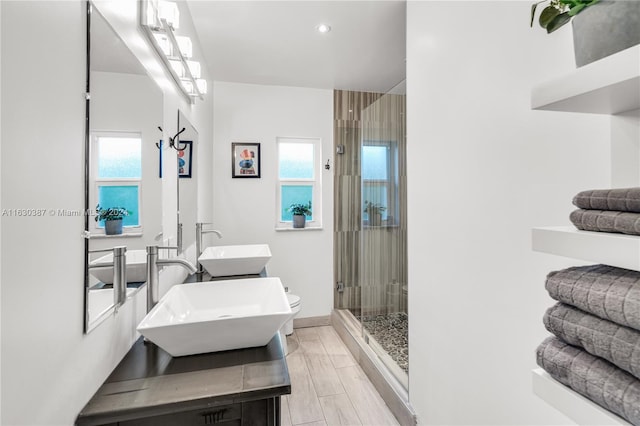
pixel 202 85
pixel 177 67
pixel 151 15
pixel 169 11
pixel 164 43
pixel 194 68
pixel 188 86
pixel 186 48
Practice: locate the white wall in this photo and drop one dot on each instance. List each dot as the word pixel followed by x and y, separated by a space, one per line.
pixel 50 369
pixel 245 209
pixel 482 170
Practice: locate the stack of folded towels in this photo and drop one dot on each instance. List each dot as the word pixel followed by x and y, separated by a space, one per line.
pixel 595 349
pixel 608 210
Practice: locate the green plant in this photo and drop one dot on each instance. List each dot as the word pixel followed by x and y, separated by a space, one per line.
pixel 298 209
pixel 372 208
pixel 110 213
pixel 558 12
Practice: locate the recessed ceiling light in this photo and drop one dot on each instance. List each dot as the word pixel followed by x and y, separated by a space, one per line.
pixel 323 28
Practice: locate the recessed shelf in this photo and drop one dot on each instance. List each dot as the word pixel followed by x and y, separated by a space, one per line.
pixel 618 250
pixel 608 86
pixel 571 403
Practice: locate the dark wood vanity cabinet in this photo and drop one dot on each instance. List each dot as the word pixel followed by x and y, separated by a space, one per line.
pixel 264 412
pixel 151 388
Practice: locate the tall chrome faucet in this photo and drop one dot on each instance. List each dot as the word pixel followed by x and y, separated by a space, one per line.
pixel 153 278
pixel 199 233
pixel 119 272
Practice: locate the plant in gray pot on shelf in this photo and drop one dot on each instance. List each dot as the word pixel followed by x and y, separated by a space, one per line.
pixel 374 211
pixel 112 217
pixel 300 212
pixel 600 27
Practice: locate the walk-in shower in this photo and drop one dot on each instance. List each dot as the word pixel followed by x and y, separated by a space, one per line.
pixel 370 220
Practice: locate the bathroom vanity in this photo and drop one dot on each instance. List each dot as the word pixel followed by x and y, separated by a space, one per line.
pixel 149 387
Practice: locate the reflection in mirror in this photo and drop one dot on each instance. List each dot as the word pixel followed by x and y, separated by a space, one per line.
pixel 187 185
pixel 125 111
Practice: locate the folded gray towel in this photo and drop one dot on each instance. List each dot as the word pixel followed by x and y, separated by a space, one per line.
pixel 619 199
pixel 606 221
pixel 616 343
pixel 600 381
pixel 604 291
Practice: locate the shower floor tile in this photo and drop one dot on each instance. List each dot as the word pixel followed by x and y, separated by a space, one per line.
pixel 391 331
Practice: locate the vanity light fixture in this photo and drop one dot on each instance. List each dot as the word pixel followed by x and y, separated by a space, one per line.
pixel 323 28
pixel 159 19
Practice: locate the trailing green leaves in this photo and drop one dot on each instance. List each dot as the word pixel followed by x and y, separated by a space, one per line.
pixel 548 14
pixel 557 22
pixel 558 12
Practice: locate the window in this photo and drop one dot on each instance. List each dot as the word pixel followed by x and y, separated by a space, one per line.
pixel 299 178
pixel 117 175
pixel 379 180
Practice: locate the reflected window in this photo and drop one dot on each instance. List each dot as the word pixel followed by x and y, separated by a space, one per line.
pixel 298 177
pixel 117 159
pixel 379 181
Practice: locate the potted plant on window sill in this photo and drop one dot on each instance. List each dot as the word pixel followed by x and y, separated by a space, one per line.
pixel 300 212
pixel 374 211
pixel 112 217
pixel 600 27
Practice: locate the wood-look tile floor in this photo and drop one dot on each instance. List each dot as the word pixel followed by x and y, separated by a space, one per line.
pixel 328 387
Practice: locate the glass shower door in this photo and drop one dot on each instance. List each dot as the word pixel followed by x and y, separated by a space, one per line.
pixel 383 240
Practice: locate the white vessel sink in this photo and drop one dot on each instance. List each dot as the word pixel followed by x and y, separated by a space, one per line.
pixel 217 316
pixel 225 261
pixel 101 301
pixel 136 267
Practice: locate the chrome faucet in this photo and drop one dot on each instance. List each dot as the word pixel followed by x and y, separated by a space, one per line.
pixel 153 278
pixel 119 264
pixel 199 233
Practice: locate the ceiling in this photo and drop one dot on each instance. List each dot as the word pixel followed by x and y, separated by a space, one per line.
pixel 276 43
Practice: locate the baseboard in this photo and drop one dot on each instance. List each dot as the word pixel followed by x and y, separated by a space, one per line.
pixel 312 321
pixel 391 390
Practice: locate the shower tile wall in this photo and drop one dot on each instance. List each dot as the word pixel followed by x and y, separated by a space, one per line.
pixel 370 261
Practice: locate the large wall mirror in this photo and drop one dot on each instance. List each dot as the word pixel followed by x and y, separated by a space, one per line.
pixel 123 164
pixel 187 184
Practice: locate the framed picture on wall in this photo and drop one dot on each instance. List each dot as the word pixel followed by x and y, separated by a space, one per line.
pixel 185 156
pixel 245 160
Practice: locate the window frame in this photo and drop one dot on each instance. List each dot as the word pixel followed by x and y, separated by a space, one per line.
pixel 96 182
pixel 391 183
pixel 315 182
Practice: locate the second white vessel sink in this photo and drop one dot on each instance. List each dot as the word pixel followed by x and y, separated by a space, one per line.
pixel 225 261
pixel 217 316
pixel 136 267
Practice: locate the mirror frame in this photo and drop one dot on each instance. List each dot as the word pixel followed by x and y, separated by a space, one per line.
pixel 87 160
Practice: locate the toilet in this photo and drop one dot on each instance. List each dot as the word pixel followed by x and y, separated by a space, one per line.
pixel 294 303
pixel 287 328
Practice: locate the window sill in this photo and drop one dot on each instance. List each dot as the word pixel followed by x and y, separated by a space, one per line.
pixel 306 228
pixel 379 226
pixel 123 235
